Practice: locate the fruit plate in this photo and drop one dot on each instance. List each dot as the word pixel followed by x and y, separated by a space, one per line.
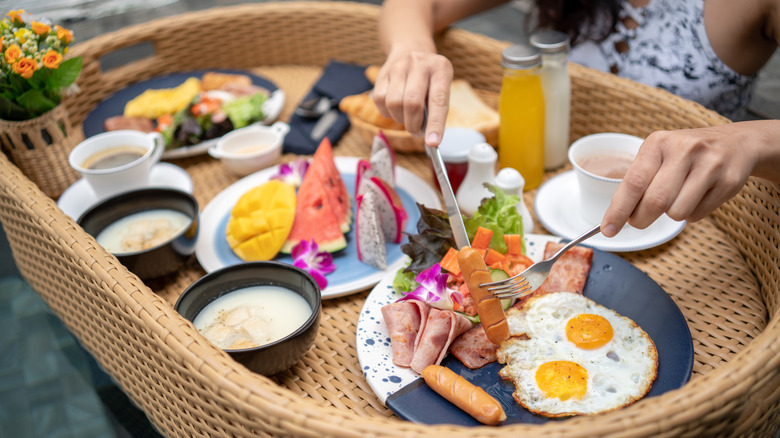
pixel 351 275
pixel 115 106
pixel 612 282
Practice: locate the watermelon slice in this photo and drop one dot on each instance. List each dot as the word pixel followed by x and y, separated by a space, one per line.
pixel 324 167
pixel 323 208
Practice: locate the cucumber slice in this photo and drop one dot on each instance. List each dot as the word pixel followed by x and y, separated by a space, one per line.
pixel 498 275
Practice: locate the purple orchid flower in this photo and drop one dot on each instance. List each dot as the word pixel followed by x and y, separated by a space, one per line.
pixel 293 172
pixel 433 289
pixel 307 256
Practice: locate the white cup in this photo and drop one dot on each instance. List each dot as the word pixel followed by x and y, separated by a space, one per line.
pixel 596 190
pixel 117 150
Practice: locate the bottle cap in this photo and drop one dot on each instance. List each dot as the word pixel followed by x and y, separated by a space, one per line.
pixel 483 153
pixel 521 56
pixel 457 142
pixel 550 41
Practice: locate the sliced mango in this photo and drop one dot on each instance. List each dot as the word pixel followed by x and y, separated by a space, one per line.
pixel 261 221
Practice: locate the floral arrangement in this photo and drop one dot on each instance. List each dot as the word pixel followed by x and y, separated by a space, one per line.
pixel 33 75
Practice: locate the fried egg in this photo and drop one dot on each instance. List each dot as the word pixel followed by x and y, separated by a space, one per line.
pixel 576 357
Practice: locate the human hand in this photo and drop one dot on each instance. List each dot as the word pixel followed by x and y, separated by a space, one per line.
pixel 685 174
pixel 407 82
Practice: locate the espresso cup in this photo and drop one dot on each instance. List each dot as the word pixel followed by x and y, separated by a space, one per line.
pixel 117 161
pixel 600 162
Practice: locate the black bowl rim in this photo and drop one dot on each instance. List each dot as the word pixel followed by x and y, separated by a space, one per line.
pixel 186 195
pixel 315 314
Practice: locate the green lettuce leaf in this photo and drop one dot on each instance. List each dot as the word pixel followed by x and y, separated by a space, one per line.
pixel 245 110
pixel 404 281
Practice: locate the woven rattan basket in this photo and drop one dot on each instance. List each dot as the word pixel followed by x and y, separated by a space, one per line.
pixel 39 146
pixel 722 271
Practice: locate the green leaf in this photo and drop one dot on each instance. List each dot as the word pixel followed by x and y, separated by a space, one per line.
pixel 10 110
pixel 35 102
pixel 66 74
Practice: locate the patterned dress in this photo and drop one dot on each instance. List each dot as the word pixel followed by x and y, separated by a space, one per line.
pixel 670 50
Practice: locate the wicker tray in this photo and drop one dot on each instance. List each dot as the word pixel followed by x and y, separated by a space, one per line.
pixel 722 271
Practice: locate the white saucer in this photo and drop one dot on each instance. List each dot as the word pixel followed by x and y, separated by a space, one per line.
pixel 77 198
pixel 557 205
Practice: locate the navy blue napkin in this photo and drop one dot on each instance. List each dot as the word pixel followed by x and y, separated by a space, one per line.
pixel 337 81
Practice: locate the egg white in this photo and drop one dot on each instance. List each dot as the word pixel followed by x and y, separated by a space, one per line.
pixel 619 373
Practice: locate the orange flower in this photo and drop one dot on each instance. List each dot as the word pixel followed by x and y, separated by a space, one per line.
pixel 40 28
pixel 25 67
pixel 16 16
pixel 64 35
pixel 13 53
pixel 52 59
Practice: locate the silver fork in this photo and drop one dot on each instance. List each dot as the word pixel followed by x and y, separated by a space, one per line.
pixel 529 280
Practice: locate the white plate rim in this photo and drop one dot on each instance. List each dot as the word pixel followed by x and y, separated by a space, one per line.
pixel 560 192
pixel 418 189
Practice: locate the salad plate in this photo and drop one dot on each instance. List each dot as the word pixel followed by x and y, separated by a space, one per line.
pixel 351 275
pixel 612 282
pixel 115 105
pixel 556 204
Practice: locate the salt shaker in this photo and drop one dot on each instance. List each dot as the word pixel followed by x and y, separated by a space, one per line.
pixel 482 169
pixel 512 183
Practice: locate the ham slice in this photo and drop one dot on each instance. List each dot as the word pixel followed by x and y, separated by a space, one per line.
pixel 405 322
pixel 442 327
pixel 474 349
pixel 570 272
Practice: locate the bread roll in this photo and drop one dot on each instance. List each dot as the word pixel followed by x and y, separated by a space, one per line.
pixel 362 107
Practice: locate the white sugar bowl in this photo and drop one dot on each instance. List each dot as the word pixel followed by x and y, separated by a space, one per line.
pixel 250 149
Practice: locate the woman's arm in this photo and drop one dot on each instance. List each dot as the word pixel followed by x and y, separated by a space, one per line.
pixel 689 173
pixel 414 75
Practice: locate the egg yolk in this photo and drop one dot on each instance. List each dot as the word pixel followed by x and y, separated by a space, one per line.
pixel 588 331
pixel 562 379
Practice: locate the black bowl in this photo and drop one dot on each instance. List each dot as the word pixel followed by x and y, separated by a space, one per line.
pixel 275 357
pixel 162 259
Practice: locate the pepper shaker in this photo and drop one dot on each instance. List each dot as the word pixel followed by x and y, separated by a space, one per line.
pixel 482 169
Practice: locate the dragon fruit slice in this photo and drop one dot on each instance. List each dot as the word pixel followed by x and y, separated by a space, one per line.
pixel 381 142
pixel 382 165
pixel 362 176
pixel 371 248
pixel 391 210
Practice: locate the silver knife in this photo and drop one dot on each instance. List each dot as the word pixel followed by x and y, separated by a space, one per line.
pixel 453 212
pixel 324 124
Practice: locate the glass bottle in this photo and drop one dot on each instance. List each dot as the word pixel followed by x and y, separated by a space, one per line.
pixel 556 86
pixel 521 107
pixel 482 169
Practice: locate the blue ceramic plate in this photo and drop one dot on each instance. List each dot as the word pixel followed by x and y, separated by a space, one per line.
pixel 115 105
pixel 612 282
pixel 351 275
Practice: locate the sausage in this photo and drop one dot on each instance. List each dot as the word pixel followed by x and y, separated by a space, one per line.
pixel 464 394
pixel 489 308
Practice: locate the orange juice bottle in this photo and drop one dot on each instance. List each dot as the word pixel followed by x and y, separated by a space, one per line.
pixel 521 106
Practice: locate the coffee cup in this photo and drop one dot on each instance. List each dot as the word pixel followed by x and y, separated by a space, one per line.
pixel 600 162
pixel 117 161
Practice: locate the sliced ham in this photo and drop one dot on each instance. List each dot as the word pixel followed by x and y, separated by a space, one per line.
pixel 405 321
pixel 570 272
pixel 135 123
pixel 474 349
pixel 442 327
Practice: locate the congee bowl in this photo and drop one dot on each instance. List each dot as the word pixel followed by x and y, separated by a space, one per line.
pixel 160 257
pixel 270 358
